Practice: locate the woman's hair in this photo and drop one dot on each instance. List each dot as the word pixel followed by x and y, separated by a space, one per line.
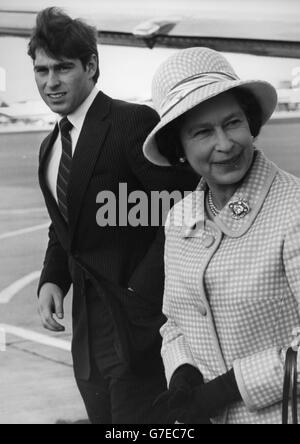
pixel 251 107
pixel 60 36
pixel 169 141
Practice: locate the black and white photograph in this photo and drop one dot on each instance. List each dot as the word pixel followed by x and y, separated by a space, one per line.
pixel 149 214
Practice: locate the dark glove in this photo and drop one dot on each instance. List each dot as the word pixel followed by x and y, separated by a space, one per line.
pixel 178 397
pixel 185 378
pixel 207 400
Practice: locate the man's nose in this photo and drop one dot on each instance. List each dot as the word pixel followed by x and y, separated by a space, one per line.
pixel 53 80
pixel 223 142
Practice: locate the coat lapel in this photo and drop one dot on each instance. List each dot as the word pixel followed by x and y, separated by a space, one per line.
pixel 254 191
pixel 53 210
pixel 46 147
pixel 87 151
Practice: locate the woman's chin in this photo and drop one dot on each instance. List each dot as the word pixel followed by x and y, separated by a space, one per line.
pixel 230 178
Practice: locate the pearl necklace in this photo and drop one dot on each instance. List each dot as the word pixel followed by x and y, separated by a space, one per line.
pixel 215 211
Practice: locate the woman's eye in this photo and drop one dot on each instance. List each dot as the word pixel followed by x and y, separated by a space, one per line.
pixel 202 133
pixel 233 123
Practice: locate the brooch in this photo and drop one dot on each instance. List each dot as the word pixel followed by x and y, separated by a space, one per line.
pixel 239 208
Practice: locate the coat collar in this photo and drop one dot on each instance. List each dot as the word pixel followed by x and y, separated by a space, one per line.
pixel 253 190
pixel 78 116
pixel 89 145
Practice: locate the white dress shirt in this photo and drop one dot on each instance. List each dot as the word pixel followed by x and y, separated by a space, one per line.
pixel 77 119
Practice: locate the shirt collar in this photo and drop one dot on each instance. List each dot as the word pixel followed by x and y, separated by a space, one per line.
pixel 78 116
pixel 253 190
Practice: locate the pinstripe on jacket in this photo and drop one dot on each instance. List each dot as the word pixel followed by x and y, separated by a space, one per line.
pixel 232 289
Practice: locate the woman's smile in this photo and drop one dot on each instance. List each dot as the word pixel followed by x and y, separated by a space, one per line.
pixel 230 162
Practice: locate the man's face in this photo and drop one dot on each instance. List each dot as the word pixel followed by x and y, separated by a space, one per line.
pixel 63 84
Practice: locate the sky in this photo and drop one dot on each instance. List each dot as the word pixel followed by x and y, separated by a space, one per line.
pixel 127 72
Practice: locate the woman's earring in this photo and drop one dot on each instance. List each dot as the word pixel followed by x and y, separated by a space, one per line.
pixel 182 160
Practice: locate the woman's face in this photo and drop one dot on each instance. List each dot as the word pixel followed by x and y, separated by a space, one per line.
pixel 217 140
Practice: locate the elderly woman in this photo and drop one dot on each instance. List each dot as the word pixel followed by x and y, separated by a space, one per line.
pixel 232 254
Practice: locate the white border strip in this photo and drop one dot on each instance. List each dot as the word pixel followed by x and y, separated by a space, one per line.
pixel 8 293
pixel 39 338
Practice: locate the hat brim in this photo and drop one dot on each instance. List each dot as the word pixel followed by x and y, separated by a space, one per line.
pixel 264 92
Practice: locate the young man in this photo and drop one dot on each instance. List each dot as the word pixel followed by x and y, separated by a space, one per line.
pixel 116 271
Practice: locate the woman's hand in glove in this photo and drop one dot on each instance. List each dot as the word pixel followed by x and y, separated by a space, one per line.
pixel 177 399
pixel 208 400
pixel 191 405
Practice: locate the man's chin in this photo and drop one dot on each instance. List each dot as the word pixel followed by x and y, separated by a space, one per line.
pixel 59 108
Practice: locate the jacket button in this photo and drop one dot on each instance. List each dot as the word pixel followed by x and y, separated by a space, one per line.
pixel 203 311
pixel 209 240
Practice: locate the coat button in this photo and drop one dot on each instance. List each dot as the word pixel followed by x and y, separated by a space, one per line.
pixel 209 240
pixel 203 311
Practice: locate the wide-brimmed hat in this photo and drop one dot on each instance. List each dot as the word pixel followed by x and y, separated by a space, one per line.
pixel 190 77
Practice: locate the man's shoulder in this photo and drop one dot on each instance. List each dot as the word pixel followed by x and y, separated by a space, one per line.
pixel 125 112
pixel 133 108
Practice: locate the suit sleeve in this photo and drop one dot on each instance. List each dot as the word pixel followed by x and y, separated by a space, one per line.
pixel 260 377
pixel 160 179
pixel 55 269
pixel 150 273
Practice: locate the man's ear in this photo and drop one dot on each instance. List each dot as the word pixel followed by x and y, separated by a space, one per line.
pixel 92 65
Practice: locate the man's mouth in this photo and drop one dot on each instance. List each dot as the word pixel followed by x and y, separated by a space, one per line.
pixel 56 95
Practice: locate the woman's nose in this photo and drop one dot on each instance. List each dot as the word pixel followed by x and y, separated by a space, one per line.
pixel 223 143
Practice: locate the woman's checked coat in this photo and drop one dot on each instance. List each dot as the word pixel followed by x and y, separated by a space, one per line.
pixel 232 289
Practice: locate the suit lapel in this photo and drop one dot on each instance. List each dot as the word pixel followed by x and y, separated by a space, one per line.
pixel 87 151
pixel 46 147
pixel 53 210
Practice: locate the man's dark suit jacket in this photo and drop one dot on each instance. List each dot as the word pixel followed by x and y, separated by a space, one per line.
pixel 109 152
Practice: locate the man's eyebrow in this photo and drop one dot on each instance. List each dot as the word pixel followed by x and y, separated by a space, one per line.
pixel 40 66
pixel 55 65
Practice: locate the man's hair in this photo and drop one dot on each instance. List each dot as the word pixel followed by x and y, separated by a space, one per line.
pixel 60 36
pixel 168 139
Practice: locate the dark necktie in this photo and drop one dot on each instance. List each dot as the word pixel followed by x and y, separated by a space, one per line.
pixel 65 165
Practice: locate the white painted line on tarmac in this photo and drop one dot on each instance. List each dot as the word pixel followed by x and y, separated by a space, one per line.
pixel 18 211
pixel 39 338
pixel 24 231
pixel 8 293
